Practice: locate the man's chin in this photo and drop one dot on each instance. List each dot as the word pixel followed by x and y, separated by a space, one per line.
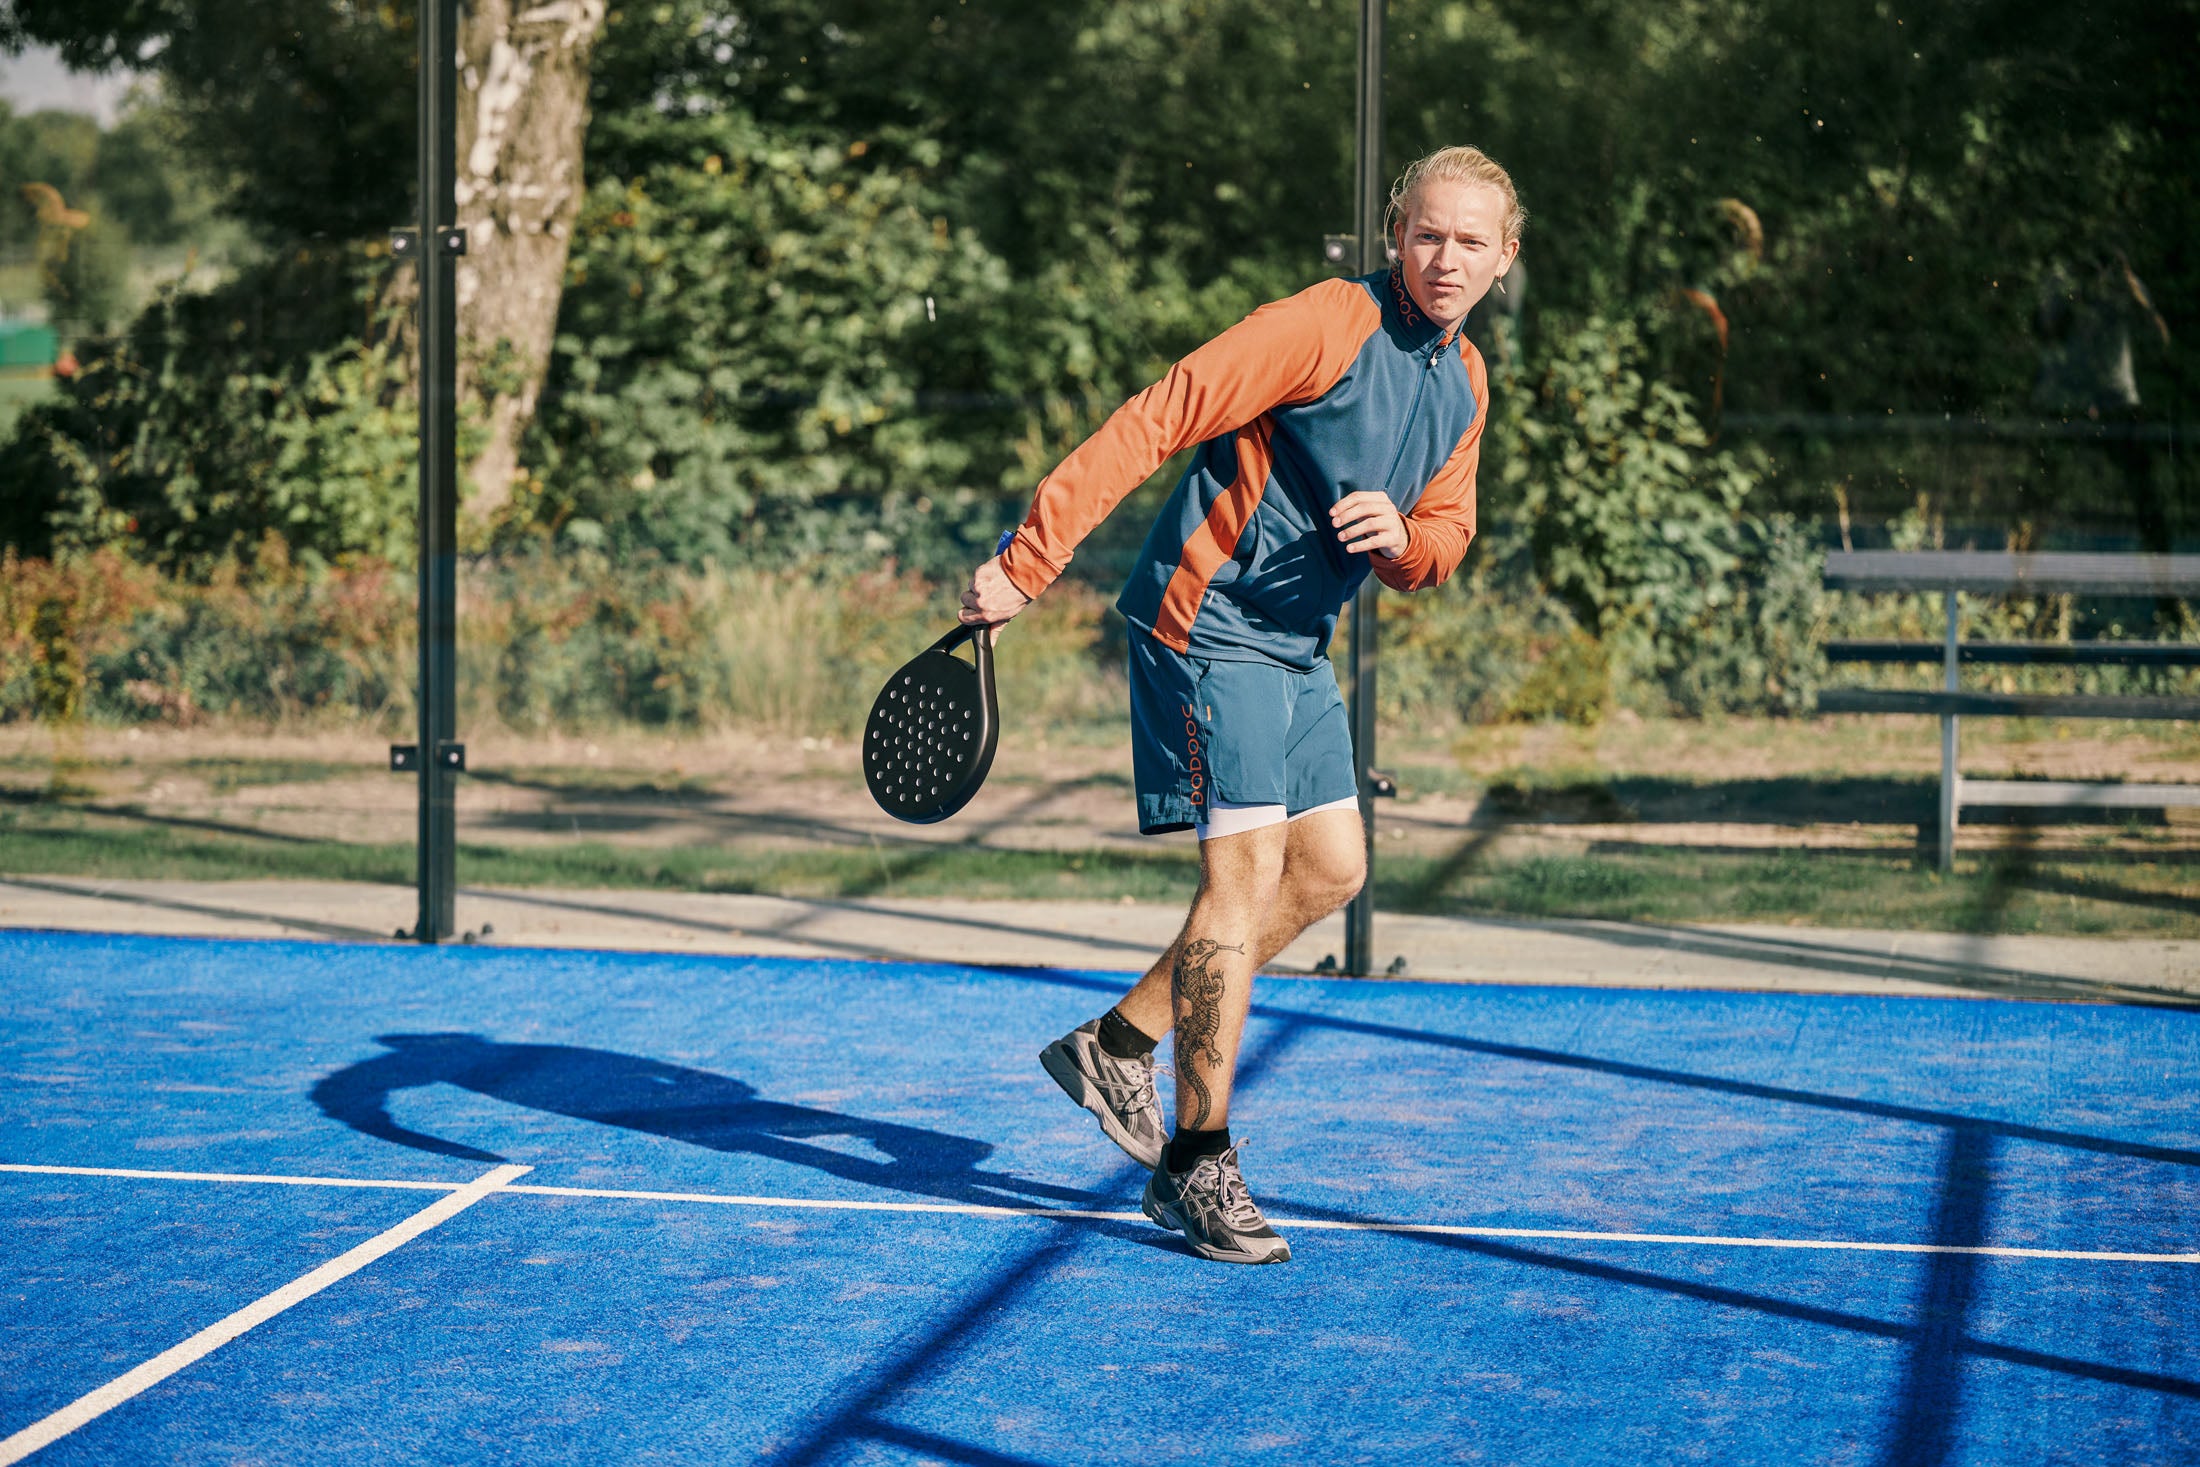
pixel 1447 307
pixel 1449 313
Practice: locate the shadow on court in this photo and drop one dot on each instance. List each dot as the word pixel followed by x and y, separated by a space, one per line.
pixel 1940 1339
pixel 695 1107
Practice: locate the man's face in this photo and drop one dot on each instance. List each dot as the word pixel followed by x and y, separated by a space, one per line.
pixel 1452 246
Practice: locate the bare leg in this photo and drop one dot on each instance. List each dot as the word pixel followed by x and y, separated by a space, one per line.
pixel 1247 911
pixel 1324 863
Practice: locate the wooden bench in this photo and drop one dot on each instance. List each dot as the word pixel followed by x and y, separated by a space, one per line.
pixel 2009 573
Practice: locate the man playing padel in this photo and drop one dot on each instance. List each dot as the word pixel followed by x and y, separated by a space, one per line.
pixel 1338 433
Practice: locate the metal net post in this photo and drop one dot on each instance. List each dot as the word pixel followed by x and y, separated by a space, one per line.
pixel 439 244
pixel 1367 188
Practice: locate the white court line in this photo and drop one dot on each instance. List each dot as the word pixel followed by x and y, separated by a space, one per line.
pixel 91 1406
pixel 1455 1230
pixel 964 1209
pixel 263 1178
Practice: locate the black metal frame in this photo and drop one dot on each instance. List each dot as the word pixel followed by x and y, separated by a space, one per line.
pixel 1367 203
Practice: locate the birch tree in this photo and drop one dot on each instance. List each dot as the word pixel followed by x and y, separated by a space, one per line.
pixel 522 119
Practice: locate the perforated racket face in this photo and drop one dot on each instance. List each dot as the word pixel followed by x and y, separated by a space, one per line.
pixel 931 736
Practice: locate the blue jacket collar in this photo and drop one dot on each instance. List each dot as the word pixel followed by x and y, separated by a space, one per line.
pixel 1419 331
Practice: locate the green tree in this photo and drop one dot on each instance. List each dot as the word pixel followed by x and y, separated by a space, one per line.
pixel 307 104
pixel 219 417
pixel 57 149
pixel 148 179
pixel 86 276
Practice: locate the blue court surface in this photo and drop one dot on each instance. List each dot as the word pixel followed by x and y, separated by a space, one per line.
pixel 795 1212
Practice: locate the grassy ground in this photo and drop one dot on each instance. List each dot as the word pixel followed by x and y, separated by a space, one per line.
pixel 2107 889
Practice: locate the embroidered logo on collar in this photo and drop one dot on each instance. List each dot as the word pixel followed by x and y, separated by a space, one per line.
pixel 1406 307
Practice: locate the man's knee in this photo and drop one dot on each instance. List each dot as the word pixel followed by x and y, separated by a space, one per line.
pixel 1327 861
pixel 1325 878
pixel 1247 867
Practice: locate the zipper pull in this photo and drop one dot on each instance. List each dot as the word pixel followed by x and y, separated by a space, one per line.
pixel 1436 356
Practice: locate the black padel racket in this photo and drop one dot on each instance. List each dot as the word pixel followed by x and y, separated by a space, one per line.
pixel 930 740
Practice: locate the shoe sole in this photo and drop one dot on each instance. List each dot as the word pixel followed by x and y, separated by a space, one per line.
pixel 1055 1060
pixel 1163 1217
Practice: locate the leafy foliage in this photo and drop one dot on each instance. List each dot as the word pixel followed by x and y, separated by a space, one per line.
pixel 221 418
pixel 58 149
pixel 744 342
pixel 1635 519
pixel 852 276
pixel 85 274
pixel 306 104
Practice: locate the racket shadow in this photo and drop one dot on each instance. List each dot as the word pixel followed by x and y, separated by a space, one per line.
pixel 695 1107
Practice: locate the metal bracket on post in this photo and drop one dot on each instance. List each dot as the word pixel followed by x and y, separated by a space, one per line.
pixel 404 758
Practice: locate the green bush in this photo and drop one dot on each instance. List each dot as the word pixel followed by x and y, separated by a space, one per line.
pixel 1635 522
pixel 220 418
pixel 1762 652
pixel 86 277
pixel 1489 645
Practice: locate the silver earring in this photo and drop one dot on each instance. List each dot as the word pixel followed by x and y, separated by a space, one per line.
pixel 1501 285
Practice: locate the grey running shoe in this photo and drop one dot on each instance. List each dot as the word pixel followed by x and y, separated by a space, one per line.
pixel 1118 1091
pixel 1211 1208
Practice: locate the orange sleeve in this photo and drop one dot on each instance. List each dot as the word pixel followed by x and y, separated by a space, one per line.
pixel 1291 350
pixel 1441 525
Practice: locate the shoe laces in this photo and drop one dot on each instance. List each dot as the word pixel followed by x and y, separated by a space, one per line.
pixel 1234 1197
pixel 1142 1095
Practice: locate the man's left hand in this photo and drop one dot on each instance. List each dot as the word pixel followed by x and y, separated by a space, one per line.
pixel 1369 521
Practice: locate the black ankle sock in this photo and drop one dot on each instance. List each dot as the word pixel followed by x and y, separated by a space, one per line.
pixel 1187 1146
pixel 1120 1038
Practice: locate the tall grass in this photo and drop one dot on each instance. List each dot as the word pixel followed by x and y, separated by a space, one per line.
pixel 544 641
pixel 592 640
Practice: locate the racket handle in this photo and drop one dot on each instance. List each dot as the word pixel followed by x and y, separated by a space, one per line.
pixel 967 632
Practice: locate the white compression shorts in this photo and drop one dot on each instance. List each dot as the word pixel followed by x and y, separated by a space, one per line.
pixel 1226 818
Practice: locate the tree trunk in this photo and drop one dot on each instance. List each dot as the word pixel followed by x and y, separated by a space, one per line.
pixel 522 116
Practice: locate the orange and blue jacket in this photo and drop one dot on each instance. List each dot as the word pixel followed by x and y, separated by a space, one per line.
pixel 1345 386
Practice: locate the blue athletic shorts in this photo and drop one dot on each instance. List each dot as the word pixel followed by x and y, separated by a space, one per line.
pixel 1250 733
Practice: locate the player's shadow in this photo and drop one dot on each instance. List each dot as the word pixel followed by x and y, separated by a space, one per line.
pixel 673 1101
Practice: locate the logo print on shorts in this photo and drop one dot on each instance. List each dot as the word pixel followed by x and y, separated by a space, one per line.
pixel 1194 763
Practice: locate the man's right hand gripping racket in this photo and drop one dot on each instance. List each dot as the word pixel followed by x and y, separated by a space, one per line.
pixel 930 740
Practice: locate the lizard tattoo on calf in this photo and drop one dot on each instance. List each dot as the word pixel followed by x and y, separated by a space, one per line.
pixel 1197 982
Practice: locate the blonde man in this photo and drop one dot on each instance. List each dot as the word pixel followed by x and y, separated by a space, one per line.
pixel 1338 433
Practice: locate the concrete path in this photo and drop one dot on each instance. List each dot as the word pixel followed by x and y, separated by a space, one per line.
pixel 1126 937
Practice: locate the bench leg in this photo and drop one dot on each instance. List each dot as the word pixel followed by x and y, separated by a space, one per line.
pixel 1950 781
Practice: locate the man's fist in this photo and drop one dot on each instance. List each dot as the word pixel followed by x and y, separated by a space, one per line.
pixel 991 597
pixel 1369 521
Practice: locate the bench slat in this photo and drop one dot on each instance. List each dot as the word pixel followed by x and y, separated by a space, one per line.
pixel 2122 654
pixel 2002 705
pixel 2061 794
pixel 2007 571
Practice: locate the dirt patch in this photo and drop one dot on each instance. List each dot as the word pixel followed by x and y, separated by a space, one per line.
pixel 1866 783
